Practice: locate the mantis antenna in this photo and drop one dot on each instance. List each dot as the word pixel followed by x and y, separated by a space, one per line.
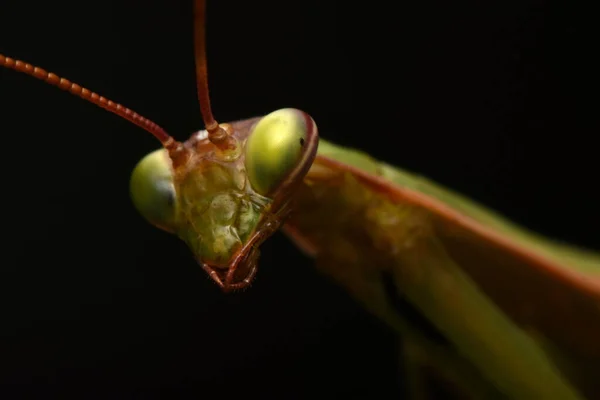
pixel 90 96
pixel 216 134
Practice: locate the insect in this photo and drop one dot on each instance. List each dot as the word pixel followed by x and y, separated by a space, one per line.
pixel 224 193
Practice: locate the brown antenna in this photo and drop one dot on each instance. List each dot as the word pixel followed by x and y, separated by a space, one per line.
pixel 167 141
pixel 216 134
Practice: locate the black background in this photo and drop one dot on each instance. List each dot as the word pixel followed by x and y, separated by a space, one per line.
pixel 496 101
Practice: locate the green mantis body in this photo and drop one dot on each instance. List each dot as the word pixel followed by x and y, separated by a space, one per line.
pixel 366 222
pixel 525 311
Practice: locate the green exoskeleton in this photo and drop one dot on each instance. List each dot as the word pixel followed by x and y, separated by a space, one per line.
pixel 515 315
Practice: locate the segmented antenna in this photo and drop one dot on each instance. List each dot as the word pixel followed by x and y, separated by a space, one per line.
pixel 216 134
pixel 92 97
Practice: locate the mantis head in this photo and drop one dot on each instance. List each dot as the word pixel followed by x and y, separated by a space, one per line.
pixel 228 187
pixel 225 202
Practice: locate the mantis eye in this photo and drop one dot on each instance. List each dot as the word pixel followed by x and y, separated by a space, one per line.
pixel 152 190
pixel 275 148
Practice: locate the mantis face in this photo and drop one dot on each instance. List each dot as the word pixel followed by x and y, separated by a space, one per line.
pixel 225 204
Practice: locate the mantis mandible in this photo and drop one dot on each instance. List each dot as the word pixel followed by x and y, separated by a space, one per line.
pixel 434 245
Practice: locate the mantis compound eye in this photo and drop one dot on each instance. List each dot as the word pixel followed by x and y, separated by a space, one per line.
pixel 152 190
pixel 277 148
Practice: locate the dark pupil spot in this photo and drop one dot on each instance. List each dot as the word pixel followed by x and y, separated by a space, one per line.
pixel 301 141
pixel 171 198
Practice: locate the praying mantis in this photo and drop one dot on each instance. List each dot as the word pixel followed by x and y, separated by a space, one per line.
pixel 515 383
